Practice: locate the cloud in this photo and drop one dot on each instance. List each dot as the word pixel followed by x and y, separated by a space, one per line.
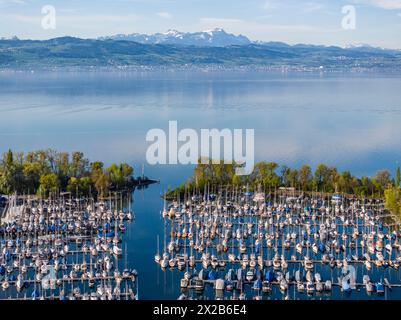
pixel 270 4
pixel 384 4
pixel 86 26
pixel 13 2
pixel 164 15
pixel 69 10
pixel 388 4
pixel 21 18
pixel 72 19
pixel 217 21
pixel 250 27
pixel 299 6
pixel 312 7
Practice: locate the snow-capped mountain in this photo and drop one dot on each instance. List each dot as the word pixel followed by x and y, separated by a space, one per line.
pixel 362 47
pixel 212 38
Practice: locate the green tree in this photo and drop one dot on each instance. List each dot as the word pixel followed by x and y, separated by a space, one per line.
pixel 62 167
pixel 49 183
pixel 236 180
pixel 305 177
pixel 79 186
pixel 96 170
pixel 32 173
pixel 115 174
pixel 264 173
pixel 126 170
pixel 289 176
pixel 333 180
pixel 322 176
pixel 79 165
pixel 99 178
pixel 345 182
pixel 366 186
pixel 73 185
pixel 393 200
pixel 127 173
pixel 381 181
pixel 102 184
pixel 11 176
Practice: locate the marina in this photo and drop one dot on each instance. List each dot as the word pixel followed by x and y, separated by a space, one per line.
pixel 66 248
pixel 107 115
pixel 233 244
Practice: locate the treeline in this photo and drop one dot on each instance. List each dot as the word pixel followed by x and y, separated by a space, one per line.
pixel 393 195
pixel 46 172
pixel 269 176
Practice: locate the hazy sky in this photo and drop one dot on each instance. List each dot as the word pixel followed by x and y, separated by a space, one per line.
pixel 378 22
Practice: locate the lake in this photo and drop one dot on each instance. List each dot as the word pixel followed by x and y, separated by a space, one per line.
pixel 351 121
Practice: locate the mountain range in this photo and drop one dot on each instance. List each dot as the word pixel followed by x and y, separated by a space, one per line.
pixel 217 37
pixel 201 49
pixel 213 38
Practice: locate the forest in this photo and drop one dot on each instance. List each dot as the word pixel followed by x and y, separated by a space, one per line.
pixel 47 172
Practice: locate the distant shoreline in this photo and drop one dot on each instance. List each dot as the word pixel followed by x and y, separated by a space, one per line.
pixel 203 69
pixel 68 53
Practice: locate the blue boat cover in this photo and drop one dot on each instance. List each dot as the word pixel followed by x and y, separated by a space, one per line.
pixel 379 286
pixel 257 248
pixel 257 284
pixel 345 286
pixel 35 294
pixel 269 275
pixel 106 234
pixel 212 275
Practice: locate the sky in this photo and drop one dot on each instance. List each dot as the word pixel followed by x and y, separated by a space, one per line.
pixel 377 22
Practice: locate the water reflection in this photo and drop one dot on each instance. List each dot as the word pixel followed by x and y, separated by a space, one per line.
pixel 297 118
pixel 351 121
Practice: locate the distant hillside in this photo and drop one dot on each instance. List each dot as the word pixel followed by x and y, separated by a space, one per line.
pixel 67 52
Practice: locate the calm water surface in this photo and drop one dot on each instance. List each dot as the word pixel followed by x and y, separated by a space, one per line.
pixel 351 121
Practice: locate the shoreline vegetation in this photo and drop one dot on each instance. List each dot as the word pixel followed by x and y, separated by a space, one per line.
pixel 48 172
pixel 270 178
